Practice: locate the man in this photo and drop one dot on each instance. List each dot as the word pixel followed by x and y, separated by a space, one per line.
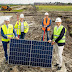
pixel 22 27
pixel 46 23
pixel 58 40
pixel 7 34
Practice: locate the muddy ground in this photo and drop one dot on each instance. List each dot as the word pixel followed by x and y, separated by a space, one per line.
pixel 34 19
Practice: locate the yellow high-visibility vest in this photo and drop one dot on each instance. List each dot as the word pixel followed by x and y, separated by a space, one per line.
pixel 7 31
pixel 57 34
pixel 26 27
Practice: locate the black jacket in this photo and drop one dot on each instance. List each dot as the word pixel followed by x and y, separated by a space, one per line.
pixel 60 37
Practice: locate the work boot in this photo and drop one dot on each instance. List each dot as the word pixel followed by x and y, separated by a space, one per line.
pixel 59 68
pixel 56 64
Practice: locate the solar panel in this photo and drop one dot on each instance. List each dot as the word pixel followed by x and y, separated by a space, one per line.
pixel 19 52
pixel 31 53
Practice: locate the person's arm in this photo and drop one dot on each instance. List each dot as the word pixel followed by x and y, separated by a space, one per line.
pixel 42 23
pixel 61 35
pixel 27 27
pixel 49 24
pixel 2 34
pixel 14 32
pixel 16 25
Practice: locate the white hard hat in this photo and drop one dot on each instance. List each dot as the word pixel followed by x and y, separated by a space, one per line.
pixel 58 20
pixel 7 19
pixel 46 13
pixel 21 15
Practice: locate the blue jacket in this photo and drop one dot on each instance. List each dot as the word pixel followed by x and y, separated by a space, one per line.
pixel 2 33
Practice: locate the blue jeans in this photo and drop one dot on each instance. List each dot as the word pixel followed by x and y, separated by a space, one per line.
pixel 22 36
pixel 5 49
pixel 47 35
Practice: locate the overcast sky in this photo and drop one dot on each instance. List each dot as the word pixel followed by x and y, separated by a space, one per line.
pixel 31 1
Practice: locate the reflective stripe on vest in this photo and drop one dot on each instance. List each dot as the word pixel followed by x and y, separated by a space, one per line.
pixel 57 34
pixel 46 24
pixel 26 27
pixel 7 31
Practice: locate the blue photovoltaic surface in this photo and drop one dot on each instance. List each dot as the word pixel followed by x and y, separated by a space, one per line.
pixel 32 53
pixel 41 54
pixel 19 52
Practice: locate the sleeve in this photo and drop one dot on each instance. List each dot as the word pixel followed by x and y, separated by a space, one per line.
pixel 2 34
pixel 61 35
pixel 49 24
pixel 42 23
pixel 27 27
pixel 14 32
pixel 16 25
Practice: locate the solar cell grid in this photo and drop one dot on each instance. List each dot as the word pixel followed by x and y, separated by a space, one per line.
pixel 32 53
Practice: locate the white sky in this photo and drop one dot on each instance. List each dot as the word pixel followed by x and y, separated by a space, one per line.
pixel 31 1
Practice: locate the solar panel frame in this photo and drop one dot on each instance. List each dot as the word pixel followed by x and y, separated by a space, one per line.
pixel 9 51
pixel 52 52
pixel 30 55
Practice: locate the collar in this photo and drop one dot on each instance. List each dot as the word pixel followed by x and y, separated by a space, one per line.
pixel 46 18
pixel 6 25
pixel 59 26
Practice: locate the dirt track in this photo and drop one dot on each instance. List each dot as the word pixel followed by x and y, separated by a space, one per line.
pixel 34 20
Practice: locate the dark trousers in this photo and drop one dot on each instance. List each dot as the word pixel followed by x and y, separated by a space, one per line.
pixel 47 35
pixel 22 36
pixel 5 49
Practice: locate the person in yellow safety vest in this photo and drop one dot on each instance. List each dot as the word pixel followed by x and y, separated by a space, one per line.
pixel 58 40
pixel 22 27
pixel 46 24
pixel 7 31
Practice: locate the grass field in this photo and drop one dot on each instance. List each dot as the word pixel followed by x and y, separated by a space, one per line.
pixel 54 8
pixel 13 11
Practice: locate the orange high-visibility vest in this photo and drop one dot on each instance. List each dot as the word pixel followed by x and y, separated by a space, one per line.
pixel 46 24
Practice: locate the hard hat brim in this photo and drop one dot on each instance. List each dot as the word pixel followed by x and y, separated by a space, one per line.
pixel 21 16
pixel 58 21
pixel 7 20
pixel 46 15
